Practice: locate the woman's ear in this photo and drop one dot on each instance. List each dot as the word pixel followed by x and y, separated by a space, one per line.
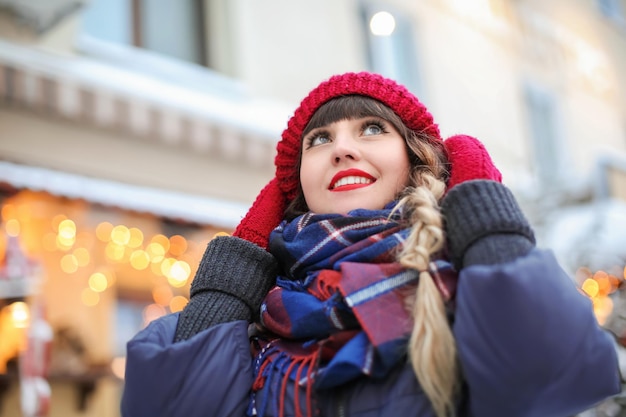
pixel 469 160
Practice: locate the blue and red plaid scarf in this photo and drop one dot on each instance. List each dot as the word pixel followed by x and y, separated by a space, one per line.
pixel 339 310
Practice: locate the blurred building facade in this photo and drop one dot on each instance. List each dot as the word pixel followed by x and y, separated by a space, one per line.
pixel 132 131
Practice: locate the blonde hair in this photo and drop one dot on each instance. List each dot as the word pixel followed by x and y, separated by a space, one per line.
pixel 432 348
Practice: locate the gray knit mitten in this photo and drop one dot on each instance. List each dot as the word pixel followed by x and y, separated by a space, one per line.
pixel 233 277
pixel 484 224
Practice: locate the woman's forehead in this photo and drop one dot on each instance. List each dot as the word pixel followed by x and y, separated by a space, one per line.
pixel 348 108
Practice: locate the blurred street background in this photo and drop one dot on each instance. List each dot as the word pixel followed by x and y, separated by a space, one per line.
pixel 134 131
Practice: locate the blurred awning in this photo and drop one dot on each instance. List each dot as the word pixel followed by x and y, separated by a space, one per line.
pixel 144 95
pixel 42 15
pixel 163 203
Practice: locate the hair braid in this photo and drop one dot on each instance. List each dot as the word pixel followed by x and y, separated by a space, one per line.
pixel 432 349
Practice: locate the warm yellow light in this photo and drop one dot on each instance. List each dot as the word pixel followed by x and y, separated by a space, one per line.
pixel 12 227
pixel 591 287
pixel 67 229
pixel 24 214
pixel 56 220
pixel 89 298
pixel 103 231
pixel 602 307
pixel 175 282
pixel 110 277
pixel 178 303
pixel 64 243
pixel 166 265
pixel 69 264
pixel 8 212
pixel 218 234
pixel 155 267
pixel 118 367
pixel 156 252
pixel 98 282
pixel 161 240
pixel 120 235
pixel 178 245
pixel 604 284
pixel 162 295
pixel 114 252
pixel 139 259
pixel 382 24
pixel 136 237
pixel 20 314
pixel 13 325
pixel 178 274
pixel 82 256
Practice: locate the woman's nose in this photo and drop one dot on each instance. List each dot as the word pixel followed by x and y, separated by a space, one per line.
pixel 346 147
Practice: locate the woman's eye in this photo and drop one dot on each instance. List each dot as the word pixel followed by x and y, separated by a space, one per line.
pixel 318 139
pixel 373 129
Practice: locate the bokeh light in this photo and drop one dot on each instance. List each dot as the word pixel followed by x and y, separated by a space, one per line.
pixel 178 273
pixel 140 259
pixel 82 256
pixel 590 287
pixel 162 295
pixel 382 24
pixel 69 264
pixel 120 235
pixel 136 237
pixel 8 212
pixel 12 227
pixel 98 282
pixel 20 314
pixel 103 231
pixel 56 221
pixel 178 245
pixel 162 240
pixel 89 298
pixel 178 303
pixel 67 229
pixel 156 252
pixel 114 251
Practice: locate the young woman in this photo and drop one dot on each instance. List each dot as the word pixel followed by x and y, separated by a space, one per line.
pixel 385 272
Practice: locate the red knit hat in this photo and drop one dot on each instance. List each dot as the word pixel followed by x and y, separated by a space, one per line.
pixel 269 207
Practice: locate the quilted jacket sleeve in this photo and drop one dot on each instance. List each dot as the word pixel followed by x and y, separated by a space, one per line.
pixel 528 341
pixel 209 374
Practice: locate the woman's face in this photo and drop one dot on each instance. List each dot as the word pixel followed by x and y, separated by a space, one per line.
pixel 354 163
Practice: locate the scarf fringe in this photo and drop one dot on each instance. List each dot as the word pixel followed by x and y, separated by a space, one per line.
pixel 271 363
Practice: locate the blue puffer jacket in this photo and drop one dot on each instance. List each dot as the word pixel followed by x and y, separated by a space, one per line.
pixel 528 343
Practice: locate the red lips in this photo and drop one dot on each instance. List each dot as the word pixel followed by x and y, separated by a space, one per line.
pixel 353 172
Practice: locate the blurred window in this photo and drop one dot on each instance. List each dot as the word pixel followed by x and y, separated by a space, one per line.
pixel 542 116
pixel 390 44
pixel 612 9
pixel 129 320
pixel 172 28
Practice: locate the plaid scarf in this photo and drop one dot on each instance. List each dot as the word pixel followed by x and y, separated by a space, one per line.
pixel 339 310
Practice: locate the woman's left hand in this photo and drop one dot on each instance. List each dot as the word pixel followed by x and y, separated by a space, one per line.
pixel 469 160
